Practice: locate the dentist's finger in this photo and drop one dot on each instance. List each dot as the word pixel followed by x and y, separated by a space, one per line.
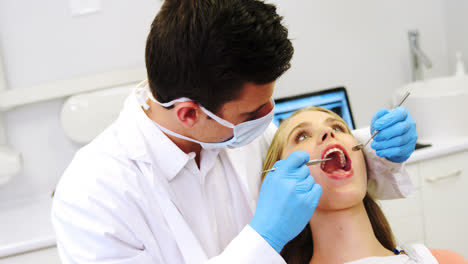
pixel 305 185
pixel 376 116
pixel 398 154
pixel 396 130
pixel 313 197
pixel 392 143
pixel 297 159
pixel 396 115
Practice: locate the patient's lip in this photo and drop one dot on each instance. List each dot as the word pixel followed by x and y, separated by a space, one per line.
pixel 338 175
pixel 334 145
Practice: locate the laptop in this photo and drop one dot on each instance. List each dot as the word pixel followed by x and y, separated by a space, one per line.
pixel 334 99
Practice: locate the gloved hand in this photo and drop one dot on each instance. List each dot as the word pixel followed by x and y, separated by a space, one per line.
pixel 287 200
pixel 397 137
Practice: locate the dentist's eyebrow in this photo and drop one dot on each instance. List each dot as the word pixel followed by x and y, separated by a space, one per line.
pixel 303 124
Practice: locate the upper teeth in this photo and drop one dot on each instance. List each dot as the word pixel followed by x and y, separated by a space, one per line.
pixel 340 154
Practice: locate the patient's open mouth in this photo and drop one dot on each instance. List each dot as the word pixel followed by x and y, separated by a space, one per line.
pixel 339 165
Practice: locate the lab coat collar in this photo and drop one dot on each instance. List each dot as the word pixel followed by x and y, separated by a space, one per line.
pixel 129 134
pixel 144 141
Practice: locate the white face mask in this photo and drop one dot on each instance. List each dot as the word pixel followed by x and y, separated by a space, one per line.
pixel 244 133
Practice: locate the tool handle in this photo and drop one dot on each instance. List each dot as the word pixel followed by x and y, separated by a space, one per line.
pixel 372 137
pixel 310 162
pixel 315 161
pixel 404 98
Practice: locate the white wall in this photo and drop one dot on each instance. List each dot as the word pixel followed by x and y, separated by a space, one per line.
pixel 362 45
pixel 41 42
pixel 457 31
pixel 359 44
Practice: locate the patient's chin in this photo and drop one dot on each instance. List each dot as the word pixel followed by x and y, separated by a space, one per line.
pixel 334 200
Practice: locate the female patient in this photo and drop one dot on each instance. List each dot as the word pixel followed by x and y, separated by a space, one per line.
pixel 347 226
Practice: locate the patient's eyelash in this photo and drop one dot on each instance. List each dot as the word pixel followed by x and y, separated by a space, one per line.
pixel 339 126
pixel 301 135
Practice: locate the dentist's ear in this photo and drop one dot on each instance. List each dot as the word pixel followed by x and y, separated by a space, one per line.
pixel 187 113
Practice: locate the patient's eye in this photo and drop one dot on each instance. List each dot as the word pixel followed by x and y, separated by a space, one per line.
pixel 338 127
pixel 301 136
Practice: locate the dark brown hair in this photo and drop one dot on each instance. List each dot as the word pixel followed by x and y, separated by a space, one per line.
pixel 300 249
pixel 208 49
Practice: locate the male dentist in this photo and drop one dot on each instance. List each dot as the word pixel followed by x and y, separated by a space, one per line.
pixel 175 179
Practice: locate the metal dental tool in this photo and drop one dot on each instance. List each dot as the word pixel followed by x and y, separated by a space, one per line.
pixel 360 145
pixel 310 162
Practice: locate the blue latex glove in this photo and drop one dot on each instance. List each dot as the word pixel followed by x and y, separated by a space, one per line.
pixel 287 200
pixel 397 137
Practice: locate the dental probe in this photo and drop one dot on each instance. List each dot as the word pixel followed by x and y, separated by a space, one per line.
pixel 310 162
pixel 360 145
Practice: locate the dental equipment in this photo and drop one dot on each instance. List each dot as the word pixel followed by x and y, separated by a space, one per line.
pixel 360 145
pixel 310 162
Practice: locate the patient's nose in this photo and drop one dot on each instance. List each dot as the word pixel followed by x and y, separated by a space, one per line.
pixel 327 133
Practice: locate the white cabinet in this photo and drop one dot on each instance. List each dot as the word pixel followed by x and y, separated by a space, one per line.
pixel 436 214
pixel 445 202
pixel 406 215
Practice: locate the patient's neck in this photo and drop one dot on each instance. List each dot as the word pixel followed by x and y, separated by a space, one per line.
pixel 344 235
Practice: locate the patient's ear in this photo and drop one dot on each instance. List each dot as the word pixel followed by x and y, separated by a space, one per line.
pixel 187 113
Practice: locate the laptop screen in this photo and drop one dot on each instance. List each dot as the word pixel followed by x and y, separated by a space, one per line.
pixel 335 99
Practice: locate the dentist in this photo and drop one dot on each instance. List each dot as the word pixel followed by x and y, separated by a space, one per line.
pixel 175 179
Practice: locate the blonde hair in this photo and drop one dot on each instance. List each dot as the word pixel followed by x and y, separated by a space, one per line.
pixel 300 249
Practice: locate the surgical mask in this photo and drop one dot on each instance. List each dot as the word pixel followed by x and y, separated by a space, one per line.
pixel 243 133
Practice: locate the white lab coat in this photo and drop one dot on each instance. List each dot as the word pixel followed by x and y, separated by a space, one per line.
pixel 112 206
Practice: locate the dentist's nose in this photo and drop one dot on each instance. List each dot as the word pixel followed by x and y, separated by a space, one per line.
pixel 327 133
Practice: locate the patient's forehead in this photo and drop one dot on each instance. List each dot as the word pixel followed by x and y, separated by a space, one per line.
pixel 314 117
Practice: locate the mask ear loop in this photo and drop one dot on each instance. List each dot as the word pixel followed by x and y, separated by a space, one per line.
pixel 217 118
pixel 171 103
pixel 141 96
pixel 145 93
pixel 185 99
